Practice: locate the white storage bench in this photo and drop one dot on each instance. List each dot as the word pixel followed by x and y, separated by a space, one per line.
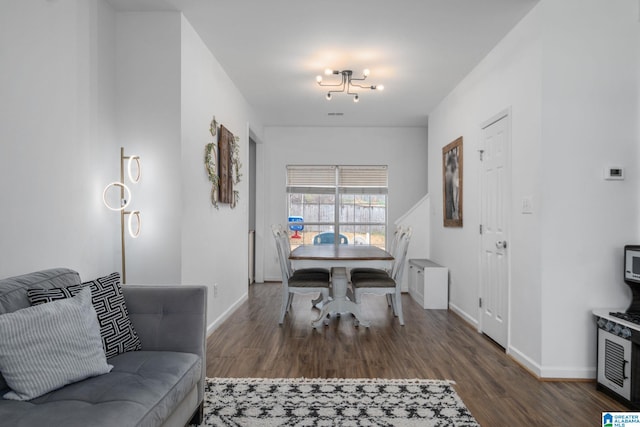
pixel 429 284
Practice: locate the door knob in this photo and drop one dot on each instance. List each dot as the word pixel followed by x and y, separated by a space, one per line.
pixel 501 244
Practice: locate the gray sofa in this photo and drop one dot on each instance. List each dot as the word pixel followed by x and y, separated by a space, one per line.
pixel 160 385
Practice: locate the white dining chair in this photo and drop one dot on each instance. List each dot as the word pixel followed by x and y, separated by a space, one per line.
pixel 392 250
pixel 301 282
pixel 283 235
pixel 383 283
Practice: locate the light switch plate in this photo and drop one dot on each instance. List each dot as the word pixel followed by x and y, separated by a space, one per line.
pixel 527 205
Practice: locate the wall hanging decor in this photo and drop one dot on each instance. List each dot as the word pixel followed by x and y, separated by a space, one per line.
pixel 225 171
pixel 235 165
pixel 222 161
pixel 452 183
pixel 211 163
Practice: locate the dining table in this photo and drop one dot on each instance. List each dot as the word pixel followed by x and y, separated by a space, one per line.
pixel 340 258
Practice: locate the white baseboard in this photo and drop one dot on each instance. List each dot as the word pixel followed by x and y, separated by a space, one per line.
pixel 568 373
pixel 464 315
pixel 552 372
pixel 540 371
pixel 525 361
pixel 224 316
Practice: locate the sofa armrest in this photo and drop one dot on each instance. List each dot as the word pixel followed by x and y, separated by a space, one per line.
pixel 170 318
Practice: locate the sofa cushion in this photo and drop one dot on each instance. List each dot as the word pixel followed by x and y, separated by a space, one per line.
pixel 44 348
pixel 118 334
pixel 142 389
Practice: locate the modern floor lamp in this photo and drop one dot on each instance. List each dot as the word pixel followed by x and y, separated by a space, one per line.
pixel 125 200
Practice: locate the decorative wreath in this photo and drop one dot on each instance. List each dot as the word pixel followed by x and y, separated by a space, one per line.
pixel 210 162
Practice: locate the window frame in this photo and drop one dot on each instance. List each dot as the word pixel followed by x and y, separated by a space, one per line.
pixel 345 180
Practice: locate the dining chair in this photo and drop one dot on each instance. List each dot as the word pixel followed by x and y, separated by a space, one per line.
pixel 301 282
pixel 385 284
pixel 328 238
pixel 283 235
pixel 392 250
pixel 393 247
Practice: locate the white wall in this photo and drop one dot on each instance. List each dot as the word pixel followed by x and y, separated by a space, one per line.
pixel 79 80
pixel 568 72
pixel 169 88
pixel 590 114
pixel 404 150
pixel 509 77
pixel 56 126
pixel 214 242
pixel 148 105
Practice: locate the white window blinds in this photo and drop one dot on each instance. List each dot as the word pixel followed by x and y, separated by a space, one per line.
pixel 348 179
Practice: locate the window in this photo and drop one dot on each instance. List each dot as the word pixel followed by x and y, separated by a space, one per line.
pixel 344 202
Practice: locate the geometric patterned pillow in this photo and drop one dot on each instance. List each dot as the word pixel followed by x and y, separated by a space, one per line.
pixel 116 329
pixel 40 296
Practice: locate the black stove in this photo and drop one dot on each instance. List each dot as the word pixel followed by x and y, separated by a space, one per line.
pixel 629 317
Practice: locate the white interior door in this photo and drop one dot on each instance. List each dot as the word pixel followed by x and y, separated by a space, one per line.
pixel 494 289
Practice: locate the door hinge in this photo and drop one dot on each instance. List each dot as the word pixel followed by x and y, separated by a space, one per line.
pixel 480 228
pixel 481 154
pixel 480 302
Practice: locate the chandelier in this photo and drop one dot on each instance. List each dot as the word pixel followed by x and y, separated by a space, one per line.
pixel 347 83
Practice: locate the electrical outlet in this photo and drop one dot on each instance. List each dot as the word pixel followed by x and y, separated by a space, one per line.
pixel 215 290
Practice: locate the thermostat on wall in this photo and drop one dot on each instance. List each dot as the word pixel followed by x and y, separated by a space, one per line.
pixel 614 173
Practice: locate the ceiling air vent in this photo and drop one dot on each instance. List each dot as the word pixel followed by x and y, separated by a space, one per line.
pixel 336 114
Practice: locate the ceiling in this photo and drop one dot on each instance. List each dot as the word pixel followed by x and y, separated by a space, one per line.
pixel 274 49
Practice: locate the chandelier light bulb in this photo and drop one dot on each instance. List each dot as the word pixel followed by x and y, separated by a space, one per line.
pixel 319 79
pixel 379 87
pixel 328 72
pixel 366 72
pixel 329 96
pixel 356 98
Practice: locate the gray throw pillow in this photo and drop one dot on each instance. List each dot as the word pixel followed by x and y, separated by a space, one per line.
pixel 45 347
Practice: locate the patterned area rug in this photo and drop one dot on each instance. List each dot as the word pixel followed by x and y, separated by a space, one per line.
pixel 333 402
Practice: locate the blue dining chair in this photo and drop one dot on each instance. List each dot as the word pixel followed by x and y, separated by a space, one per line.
pixel 327 238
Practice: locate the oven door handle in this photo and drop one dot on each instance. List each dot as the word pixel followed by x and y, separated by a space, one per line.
pixel 624 371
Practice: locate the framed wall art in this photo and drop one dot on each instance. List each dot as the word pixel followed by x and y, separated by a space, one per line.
pixel 452 183
pixel 225 168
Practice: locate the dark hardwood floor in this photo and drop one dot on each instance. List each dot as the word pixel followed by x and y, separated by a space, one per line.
pixel 434 344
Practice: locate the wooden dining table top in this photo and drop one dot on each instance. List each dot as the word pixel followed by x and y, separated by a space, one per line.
pixel 340 252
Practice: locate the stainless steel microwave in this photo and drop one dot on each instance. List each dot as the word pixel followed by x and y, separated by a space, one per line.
pixel 632 263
